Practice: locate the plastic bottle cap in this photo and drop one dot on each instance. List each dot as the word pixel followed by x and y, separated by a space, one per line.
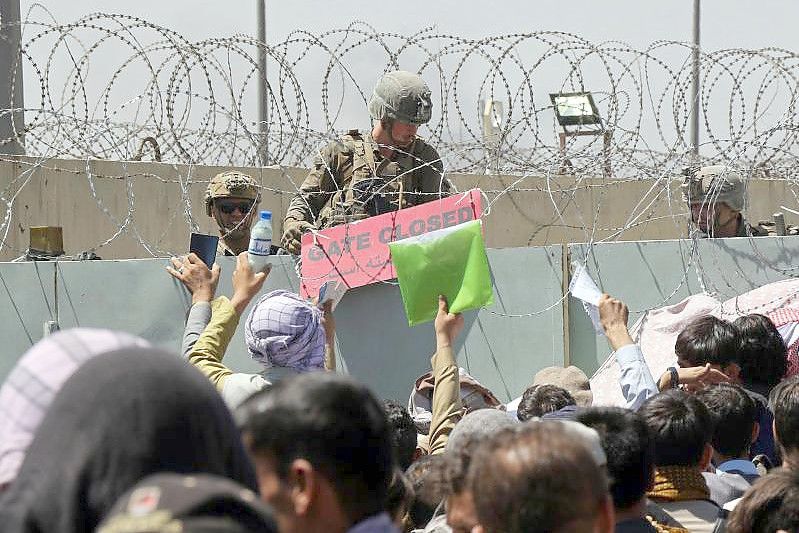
pixel 266 215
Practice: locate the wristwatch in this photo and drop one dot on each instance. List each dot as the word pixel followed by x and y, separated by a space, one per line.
pixel 675 378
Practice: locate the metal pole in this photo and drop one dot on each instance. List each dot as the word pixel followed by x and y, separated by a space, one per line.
pixel 263 94
pixel 695 83
pixel 12 117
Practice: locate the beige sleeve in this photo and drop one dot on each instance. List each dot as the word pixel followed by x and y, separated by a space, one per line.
pixel 447 409
pixel 210 348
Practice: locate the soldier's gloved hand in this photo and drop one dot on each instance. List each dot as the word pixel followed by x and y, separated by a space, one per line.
pixel 292 235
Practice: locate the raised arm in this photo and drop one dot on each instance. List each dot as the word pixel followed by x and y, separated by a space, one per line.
pixel 636 381
pixel 329 322
pixel 210 348
pixel 447 408
pixel 201 282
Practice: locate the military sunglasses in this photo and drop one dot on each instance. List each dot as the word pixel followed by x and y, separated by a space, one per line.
pixel 228 207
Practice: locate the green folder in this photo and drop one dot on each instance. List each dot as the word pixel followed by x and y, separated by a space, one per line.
pixel 450 261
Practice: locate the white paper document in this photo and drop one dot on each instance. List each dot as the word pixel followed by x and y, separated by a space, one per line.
pixel 584 289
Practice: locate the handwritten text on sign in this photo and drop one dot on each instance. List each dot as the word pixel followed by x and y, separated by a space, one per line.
pixel 358 253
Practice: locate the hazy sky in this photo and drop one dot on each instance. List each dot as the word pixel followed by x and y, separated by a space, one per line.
pixel 726 23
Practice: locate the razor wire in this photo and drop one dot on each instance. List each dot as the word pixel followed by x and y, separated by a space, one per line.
pixel 120 88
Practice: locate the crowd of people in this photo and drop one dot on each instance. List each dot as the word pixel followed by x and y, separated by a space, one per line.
pixel 99 431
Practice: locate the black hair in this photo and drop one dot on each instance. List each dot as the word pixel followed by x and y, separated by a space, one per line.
pixel 771 505
pixel 762 353
pixel 334 423
pixel 680 427
pixel 539 400
pixel 734 415
pixel 403 433
pixel 400 496
pixel 630 455
pixel 784 403
pixel 708 340
pixel 427 476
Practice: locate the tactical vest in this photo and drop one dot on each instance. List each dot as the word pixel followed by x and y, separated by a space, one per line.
pixel 368 187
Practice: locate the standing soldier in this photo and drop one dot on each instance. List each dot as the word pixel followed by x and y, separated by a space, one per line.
pixel 716 196
pixel 363 175
pixel 232 200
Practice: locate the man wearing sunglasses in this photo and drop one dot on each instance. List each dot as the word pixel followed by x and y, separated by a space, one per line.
pixel 366 174
pixel 232 200
pixel 716 197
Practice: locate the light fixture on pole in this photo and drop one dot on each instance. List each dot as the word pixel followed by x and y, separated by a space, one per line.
pixel 577 114
pixel 492 115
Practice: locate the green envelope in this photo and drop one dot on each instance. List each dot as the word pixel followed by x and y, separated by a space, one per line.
pixel 450 261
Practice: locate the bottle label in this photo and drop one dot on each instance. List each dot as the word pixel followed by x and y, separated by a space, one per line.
pixel 260 246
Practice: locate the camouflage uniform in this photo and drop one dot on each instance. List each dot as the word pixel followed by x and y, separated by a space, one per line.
pixel 231 184
pixel 351 180
pixel 719 184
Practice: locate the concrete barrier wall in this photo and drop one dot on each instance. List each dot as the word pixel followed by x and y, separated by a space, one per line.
pixel 501 345
pixel 148 209
pixel 530 326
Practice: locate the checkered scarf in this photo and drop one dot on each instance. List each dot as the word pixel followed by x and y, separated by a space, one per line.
pixel 286 331
pixel 38 375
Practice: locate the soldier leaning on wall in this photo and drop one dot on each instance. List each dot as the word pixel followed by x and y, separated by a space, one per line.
pixel 232 200
pixel 363 175
pixel 716 196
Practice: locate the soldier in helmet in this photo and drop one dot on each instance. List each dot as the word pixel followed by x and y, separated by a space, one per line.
pixel 367 174
pixel 232 200
pixel 716 196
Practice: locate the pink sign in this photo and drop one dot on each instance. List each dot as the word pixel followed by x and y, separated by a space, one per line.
pixel 358 253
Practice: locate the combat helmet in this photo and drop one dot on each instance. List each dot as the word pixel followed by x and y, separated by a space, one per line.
pixel 231 184
pixel 714 184
pixel 402 96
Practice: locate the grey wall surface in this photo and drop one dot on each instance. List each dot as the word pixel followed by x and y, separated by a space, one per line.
pixel 502 346
pixel 375 343
pixel 159 204
pixel 652 274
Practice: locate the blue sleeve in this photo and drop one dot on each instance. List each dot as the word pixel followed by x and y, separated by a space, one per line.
pixel 635 378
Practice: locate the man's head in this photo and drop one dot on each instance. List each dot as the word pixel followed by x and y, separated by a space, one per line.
pixel 771 506
pixel 400 497
pixel 628 448
pixel 762 355
pixel 322 450
pixel 232 199
pixel 715 194
pixel 784 403
pixel 473 428
pixel 680 428
pixel 403 433
pixel 539 477
pixel 478 424
pixel 571 378
pixel 734 415
pixel 401 102
pixel 286 331
pixel 427 476
pixel 461 513
pixel 539 400
pixel 709 340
